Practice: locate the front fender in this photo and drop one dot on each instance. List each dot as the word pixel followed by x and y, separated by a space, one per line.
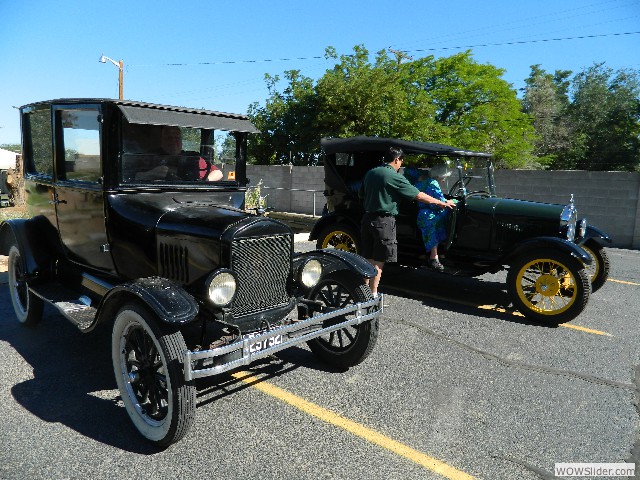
pixel 333 260
pixel 170 302
pixel 596 234
pixel 554 243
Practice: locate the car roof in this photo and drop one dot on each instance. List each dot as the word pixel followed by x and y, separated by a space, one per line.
pixel 156 114
pixel 364 144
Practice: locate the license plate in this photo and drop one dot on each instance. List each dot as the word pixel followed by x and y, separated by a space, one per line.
pixel 263 343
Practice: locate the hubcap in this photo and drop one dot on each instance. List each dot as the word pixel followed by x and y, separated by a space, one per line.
pixel 547 285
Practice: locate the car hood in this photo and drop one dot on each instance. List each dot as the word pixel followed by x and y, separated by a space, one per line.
pixel 510 207
pixel 497 223
pixel 153 233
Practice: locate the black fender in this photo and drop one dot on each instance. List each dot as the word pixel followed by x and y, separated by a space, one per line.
pixel 333 260
pixel 553 243
pixel 331 219
pixel 169 301
pixel 38 242
pixel 595 234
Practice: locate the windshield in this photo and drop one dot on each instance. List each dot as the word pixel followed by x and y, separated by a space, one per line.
pixel 476 173
pixel 162 154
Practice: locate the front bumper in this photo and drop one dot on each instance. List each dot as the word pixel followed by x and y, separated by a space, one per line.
pixel 295 334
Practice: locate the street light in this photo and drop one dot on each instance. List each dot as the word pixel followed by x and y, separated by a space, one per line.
pixel 120 65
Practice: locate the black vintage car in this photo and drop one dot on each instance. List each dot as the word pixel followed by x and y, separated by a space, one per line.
pixel 138 222
pixel 554 260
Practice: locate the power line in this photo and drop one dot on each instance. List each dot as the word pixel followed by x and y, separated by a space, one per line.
pixel 521 42
pixel 320 57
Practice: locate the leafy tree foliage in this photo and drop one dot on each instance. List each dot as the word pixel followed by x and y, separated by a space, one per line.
pixel 546 100
pixel 12 147
pixel 590 122
pixel 451 100
pixel 606 114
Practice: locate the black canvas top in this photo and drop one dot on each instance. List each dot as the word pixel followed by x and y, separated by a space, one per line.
pixel 367 144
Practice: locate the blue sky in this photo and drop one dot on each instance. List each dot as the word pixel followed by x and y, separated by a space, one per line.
pixel 50 49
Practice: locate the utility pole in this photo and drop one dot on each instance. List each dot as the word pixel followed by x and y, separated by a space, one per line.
pixel 120 65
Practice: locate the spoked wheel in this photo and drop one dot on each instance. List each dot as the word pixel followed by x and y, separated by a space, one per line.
pixel 341 237
pixel 548 286
pixel 598 270
pixel 27 306
pixel 348 346
pixel 148 367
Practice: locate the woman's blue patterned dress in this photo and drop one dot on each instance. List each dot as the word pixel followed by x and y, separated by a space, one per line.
pixel 432 220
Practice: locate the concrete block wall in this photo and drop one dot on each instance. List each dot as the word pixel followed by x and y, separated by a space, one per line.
pixel 609 200
pixel 300 184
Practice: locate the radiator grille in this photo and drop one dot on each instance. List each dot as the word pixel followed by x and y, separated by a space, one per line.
pixel 263 266
pixel 174 262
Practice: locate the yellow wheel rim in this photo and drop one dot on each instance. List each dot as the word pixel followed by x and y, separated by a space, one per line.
pixel 340 240
pixel 546 286
pixel 594 268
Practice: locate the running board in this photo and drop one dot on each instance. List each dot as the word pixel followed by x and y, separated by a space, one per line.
pixel 73 307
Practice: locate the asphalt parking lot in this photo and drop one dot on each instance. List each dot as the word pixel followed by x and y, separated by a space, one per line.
pixel 458 386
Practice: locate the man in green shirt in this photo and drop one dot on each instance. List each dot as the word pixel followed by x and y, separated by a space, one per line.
pixel 383 187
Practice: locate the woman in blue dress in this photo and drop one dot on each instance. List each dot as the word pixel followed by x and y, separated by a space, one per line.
pixel 432 220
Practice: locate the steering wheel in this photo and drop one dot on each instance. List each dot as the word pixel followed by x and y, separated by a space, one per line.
pixel 456 189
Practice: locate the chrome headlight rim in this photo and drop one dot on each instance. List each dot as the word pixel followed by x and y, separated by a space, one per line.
pixel 310 273
pixel 222 286
pixel 568 220
pixel 582 228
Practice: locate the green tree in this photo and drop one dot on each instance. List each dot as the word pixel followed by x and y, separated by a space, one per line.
pixel 451 100
pixel 605 113
pixel 546 99
pixel 286 122
pixel 477 109
pixel 383 99
pixel 12 147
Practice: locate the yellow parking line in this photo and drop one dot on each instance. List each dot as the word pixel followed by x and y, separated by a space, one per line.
pixel 585 329
pixel 622 281
pixel 565 325
pixel 361 431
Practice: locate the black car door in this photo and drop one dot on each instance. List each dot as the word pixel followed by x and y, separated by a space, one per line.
pixel 78 192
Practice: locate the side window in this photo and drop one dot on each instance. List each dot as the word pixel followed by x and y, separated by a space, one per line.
pixel 39 142
pixel 81 143
pixel 225 154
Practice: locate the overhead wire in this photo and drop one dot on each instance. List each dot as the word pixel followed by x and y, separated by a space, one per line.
pixel 459 47
pixel 527 21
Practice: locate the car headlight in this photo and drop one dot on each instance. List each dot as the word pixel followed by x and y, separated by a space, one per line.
pixel 571 231
pixel 222 288
pixel 568 220
pixel 310 273
pixel 582 229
